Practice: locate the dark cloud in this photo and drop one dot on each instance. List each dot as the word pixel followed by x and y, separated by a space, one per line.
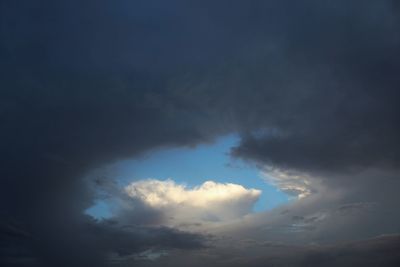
pixel 379 251
pixel 310 86
pixel 375 252
pixel 99 242
pixel 334 108
pixel 73 99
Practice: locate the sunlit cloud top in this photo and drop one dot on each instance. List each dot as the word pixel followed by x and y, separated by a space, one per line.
pixel 210 201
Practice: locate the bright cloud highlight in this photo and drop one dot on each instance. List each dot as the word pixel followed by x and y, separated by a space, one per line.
pixel 291 182
pixel 210 201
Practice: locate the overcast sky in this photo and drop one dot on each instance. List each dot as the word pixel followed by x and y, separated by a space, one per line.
pixel 199 133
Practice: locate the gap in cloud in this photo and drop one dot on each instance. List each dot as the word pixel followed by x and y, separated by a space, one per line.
pixel 192 166
pixel 100 210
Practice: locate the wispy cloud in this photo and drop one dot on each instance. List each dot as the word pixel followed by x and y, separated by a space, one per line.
pixel 293 183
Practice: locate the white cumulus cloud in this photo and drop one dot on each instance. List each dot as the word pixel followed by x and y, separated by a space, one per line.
pixel 210 201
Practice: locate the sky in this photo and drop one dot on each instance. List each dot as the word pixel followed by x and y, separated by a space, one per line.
pixel 193 133
pixel 193 166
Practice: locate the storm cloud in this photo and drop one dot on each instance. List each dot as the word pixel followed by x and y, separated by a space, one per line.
pixel 311 87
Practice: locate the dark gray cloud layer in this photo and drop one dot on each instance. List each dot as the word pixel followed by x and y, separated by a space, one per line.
pixel 379 251
pixel 310 86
